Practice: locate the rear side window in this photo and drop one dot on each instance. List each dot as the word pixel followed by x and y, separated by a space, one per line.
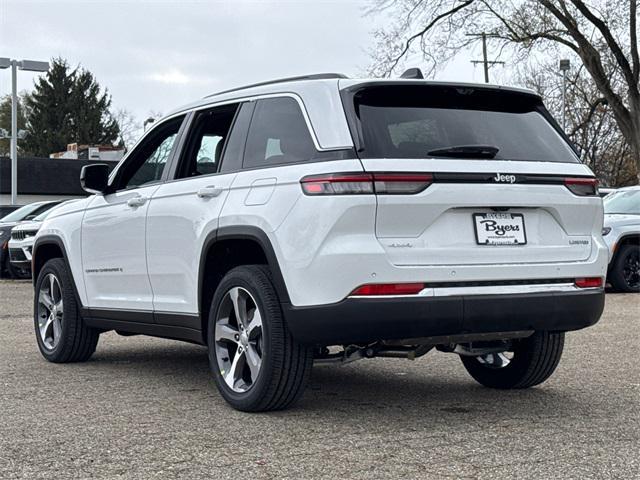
pixel 278 134
pixel 446 122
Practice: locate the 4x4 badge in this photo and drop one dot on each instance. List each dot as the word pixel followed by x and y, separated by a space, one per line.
pixel 504 178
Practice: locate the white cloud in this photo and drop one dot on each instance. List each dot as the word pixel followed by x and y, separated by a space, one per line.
pixel 173 76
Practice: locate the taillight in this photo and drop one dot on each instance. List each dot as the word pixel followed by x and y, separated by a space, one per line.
pixel 389 289
pixel 582 186
pixel 338 184
pixel 366 183
pixel 589 282
pixel 401 183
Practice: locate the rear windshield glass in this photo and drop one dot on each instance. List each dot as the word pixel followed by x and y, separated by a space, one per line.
pixel 447 122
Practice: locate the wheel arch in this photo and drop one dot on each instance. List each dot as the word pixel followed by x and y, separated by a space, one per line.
pixel 230 247
pixel 626 239
pixel 45 248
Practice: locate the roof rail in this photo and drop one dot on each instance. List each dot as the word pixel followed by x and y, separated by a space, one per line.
pixel 317 76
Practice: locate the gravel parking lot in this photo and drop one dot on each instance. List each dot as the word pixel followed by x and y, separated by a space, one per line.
pixel 147 408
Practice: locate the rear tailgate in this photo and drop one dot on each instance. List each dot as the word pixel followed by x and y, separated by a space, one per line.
pixel 438 226
pixel 499 170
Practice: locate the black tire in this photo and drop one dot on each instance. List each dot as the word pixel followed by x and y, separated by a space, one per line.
pixel 286 364
pixel 534 360
pixel 77 342
pixel 625 272
pixel 13 272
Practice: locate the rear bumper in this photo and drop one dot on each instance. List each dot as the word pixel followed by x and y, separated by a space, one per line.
pixel 363 320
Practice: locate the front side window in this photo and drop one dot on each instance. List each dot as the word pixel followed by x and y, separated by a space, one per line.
pixel 207 139
pixel 449 122
pixel 147 162
pixel 278 134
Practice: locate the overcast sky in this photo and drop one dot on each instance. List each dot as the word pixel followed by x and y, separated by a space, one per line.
pixel 157 55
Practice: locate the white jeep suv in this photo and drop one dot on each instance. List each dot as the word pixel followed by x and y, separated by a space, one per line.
pixel 328 219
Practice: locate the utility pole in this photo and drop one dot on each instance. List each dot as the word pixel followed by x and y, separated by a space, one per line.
pixel 485 61
pixel 31 66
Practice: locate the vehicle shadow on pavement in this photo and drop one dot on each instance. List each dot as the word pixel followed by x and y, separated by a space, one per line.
pixel 431 389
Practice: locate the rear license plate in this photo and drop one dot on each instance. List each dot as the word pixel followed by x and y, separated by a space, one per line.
pixel 499 228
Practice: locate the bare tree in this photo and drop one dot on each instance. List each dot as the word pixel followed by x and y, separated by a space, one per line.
pixel 590 122
pixel 601 33
pixel 130 127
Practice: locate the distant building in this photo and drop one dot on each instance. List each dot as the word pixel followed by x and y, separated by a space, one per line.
pixel 44 179
pixel 91 152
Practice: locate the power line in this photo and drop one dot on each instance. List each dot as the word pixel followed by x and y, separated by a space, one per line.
pixel 484 60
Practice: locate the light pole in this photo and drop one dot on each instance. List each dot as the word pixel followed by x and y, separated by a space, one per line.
pixel 564 68
pixel 31 66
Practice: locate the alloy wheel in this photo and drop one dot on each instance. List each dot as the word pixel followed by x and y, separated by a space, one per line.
pixel 238 339
pixel 496 360
pixel 50 311
pixel 631 270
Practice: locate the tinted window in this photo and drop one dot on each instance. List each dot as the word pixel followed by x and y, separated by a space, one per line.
pixel 234 150
pixel 425 122
pixel 278 134
pixel 207 139
pixel 147 162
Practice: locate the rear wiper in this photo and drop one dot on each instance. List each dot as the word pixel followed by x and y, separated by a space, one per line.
pixel 466 151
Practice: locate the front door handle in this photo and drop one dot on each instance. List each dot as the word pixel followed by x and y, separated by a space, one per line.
pixel 137 201
pixel 209 191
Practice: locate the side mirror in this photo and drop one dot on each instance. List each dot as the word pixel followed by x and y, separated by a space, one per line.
pixel 95 178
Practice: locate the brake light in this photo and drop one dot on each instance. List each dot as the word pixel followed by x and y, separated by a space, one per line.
pixel 582 186
pixel 389 289
pixel 366 183
pixel 589 282
pixel 401 183
pixel 338 184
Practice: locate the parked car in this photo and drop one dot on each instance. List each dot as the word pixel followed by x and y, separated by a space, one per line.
pixel 25 213
pixel 21 243
pixel 381 218
pixel 622 233
pixel 7 209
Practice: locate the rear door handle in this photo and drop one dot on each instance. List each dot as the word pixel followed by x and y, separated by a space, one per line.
pixel 209 191
pixel 137 201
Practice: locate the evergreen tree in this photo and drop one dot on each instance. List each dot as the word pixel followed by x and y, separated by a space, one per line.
pixel 67 106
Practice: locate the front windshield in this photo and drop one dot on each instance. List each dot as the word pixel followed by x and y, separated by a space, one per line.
pixel 43 215
pixel 20 214
pixel 623 202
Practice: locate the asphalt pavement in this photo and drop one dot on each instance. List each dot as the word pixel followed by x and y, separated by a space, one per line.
pixel 147 408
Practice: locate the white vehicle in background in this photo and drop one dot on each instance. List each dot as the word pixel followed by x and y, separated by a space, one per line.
pixel 604 191
pixel 21 243
pixel 622 234
pixel 8 222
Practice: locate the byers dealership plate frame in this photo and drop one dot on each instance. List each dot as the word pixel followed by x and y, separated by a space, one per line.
pixel 506 222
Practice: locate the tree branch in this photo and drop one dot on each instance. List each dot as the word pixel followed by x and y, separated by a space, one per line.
pixel 633 34
pixel 593 64
pixel 613 45
pixel 431 24
pixel 592 110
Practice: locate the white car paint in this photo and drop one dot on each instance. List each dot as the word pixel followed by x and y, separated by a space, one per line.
pixel 147 257
pixel 618 226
